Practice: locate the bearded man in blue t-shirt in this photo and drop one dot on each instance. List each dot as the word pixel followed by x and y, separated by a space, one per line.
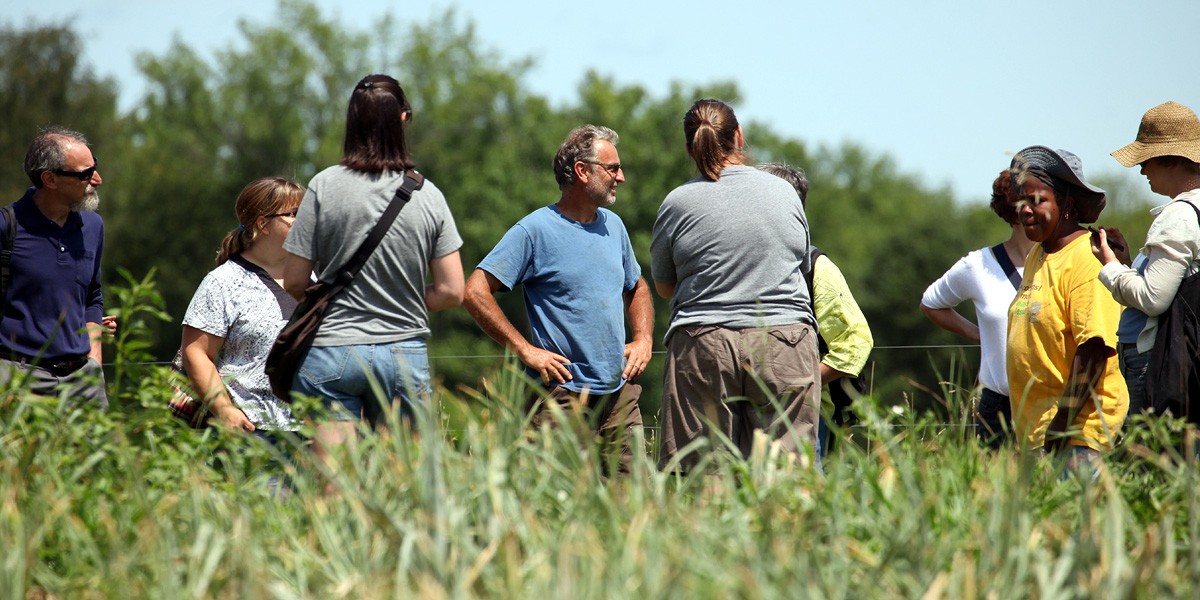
pixel 575 263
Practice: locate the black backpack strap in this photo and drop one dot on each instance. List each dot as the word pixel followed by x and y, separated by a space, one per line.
pixel 813 253
pixel 412 181
pixel 6 251
pixel 1194 208
pixel 1006 265
pixel 287 304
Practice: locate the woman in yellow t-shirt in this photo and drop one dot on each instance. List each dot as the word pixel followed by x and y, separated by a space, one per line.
pixel 1067 390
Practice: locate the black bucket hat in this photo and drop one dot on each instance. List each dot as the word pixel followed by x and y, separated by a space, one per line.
pixel 1063 166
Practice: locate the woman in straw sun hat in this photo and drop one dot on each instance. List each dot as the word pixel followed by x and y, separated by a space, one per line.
pixel 1167 149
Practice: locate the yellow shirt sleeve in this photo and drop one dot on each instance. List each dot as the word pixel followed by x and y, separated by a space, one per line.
pixel 840 320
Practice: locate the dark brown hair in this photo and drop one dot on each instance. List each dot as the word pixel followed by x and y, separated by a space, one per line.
pixel 375 127
pixel 710 131
pixel 1182 163
pixel 1004 197
pixel 259 198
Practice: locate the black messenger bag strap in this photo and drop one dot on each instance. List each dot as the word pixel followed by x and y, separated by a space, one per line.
pixel 287 304
pixel 1006 265
pixel 412 181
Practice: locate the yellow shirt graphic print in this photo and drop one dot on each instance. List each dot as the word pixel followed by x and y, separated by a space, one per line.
pixel 1062 304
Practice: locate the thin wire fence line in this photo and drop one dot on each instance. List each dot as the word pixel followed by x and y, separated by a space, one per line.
pixel 664 352
pixel 164 363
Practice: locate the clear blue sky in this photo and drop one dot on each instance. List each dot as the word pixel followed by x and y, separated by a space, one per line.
pixel 949 88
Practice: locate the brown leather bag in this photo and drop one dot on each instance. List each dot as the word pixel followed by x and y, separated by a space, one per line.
pixel 290 348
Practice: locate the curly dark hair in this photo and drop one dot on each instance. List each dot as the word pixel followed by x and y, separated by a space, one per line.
pixel 1004 197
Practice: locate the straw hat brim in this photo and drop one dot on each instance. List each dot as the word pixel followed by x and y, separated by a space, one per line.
pixel 1137 153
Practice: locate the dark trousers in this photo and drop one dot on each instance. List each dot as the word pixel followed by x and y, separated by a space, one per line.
pixel 735 382
pixel 1133 367
pixel 993 424
pixel 613 417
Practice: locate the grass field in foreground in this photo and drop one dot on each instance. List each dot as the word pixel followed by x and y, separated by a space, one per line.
pixel 130 504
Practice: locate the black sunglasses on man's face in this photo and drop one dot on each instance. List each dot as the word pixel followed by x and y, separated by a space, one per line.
pixel 83 175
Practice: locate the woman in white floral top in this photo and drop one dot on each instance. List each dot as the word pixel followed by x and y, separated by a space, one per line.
pixel 238 310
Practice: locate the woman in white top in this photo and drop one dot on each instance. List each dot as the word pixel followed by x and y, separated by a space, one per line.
pixel 238 310
pixel 1167 149
pixel 982 278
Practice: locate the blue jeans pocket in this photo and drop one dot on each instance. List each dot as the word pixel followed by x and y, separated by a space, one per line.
pixel 325 364
pixel 412 366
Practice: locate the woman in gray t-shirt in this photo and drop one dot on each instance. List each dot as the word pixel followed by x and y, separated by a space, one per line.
pixel 729 249
pixel 369 357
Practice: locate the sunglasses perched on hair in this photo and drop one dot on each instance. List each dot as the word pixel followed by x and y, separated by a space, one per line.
pixel 291 213
pixel 83 175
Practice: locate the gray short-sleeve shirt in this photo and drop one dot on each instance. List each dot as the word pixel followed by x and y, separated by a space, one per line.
pixel 736 250
pixel 386 302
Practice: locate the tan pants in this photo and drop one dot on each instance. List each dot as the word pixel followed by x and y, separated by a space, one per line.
pixel 613 417
pixel 737 381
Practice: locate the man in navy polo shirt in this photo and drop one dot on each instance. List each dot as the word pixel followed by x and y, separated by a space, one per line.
pixel 53 305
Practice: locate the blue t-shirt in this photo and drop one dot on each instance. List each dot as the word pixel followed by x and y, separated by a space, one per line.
pixel 574 277
pixel 54 290
pixel 1133 321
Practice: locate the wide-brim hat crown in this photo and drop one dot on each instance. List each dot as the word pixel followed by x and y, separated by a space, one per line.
pixel 1169 129
pixel 1065 166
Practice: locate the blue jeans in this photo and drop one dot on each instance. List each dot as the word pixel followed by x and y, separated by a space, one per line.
pixel 367 381
pixel 1081 460
pixel 822 437
pixel 1133 368
pixel 280 456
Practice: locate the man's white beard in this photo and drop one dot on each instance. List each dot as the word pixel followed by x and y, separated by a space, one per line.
pixel 90 202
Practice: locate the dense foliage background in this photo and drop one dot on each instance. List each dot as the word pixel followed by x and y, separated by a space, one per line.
pixel 128 503
pixel 274 104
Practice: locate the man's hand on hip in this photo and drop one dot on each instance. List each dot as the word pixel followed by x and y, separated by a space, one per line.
pixel 548 364
pixel 637 356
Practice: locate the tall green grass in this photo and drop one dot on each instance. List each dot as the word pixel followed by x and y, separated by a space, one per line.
pixel 130 504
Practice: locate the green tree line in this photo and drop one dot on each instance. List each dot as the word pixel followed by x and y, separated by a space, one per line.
pixel 274 104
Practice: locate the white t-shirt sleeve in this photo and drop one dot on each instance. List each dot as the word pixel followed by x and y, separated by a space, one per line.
pixel 952 288
pixel 211 306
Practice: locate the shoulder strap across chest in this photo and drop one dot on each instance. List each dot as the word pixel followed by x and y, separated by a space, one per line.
pixel 1006 264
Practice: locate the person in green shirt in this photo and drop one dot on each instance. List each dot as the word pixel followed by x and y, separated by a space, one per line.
pixel 845 336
